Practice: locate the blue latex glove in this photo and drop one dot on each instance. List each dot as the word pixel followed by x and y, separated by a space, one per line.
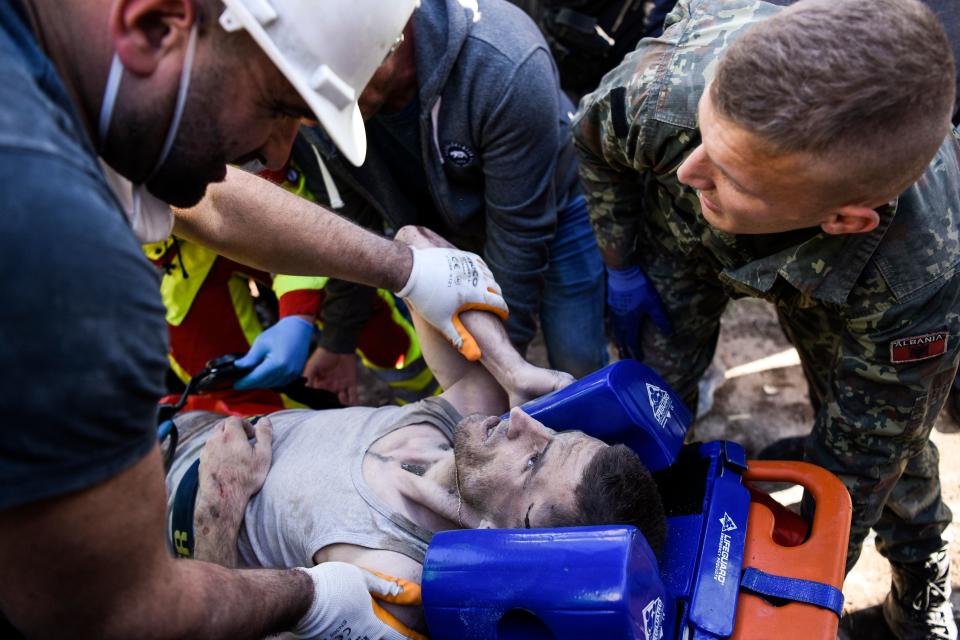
pixel 631 297
pixel 277 355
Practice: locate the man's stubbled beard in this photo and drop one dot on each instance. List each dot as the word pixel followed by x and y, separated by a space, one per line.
pixel 198 155
pixel 473 463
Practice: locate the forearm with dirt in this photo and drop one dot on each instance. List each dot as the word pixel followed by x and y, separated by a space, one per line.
pixel 216 526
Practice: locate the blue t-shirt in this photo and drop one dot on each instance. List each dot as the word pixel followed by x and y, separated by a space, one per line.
pixel 82 331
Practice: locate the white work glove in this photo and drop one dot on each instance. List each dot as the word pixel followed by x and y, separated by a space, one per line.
pixel 445 282
pixel 344 606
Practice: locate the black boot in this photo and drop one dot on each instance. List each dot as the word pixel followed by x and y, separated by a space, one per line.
pixel 918 605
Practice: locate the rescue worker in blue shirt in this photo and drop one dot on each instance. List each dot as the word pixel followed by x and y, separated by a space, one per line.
pixel 164 93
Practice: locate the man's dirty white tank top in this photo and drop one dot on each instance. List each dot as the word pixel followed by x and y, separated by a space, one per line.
pixel 315 494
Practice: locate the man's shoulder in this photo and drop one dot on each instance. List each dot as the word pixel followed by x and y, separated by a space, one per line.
pixel 504 31
pixel 664 77
pixel 36 117
pixel 54 202
pixel 921 250
pixel 644 112
pixel 46 162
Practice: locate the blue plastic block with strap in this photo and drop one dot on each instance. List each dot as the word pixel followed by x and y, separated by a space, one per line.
pixel 540 584
pixel 703 555
pixel 625 402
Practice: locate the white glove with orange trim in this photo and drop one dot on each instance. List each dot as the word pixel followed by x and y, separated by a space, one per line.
pixel 345 604
pixel 445 282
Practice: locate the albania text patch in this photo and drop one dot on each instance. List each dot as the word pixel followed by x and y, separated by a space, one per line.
pixel 914 348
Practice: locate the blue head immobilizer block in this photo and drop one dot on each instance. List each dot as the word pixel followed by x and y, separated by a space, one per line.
pixel 544 584
pixel 625 402
pixel 604 582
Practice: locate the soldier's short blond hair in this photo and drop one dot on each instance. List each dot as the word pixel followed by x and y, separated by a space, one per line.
pixel 867 86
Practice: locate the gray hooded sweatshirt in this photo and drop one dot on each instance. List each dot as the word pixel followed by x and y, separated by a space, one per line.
pixel 496 156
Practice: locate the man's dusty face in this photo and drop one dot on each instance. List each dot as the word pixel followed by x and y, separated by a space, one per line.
pixel 743 188
pixel 516 473
pixel 239 108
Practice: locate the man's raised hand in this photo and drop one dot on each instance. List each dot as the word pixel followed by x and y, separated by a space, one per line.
pixel 529 382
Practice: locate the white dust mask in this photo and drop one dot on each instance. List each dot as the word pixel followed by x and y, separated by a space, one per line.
pixel 149 216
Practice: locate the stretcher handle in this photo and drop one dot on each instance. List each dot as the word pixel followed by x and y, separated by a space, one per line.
pixel 831 518
pixel 820 558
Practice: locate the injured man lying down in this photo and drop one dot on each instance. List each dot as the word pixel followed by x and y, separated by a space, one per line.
pixel 370 486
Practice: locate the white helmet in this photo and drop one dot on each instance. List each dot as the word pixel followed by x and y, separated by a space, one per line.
pixel 328 50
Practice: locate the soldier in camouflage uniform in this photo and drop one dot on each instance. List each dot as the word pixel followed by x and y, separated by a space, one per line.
pixel 872 302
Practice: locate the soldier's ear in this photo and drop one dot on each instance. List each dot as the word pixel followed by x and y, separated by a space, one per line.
pixel 851 219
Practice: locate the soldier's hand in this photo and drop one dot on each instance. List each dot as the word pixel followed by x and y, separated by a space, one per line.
pixel 630 299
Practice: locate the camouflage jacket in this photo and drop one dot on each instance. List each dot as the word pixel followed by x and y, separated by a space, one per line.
pixel 896 283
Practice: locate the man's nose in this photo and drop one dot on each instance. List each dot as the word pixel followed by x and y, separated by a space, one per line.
pixel 523 426
pixel 276 150
pixel 695 172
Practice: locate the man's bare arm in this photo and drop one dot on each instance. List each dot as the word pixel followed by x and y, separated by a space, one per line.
pixel 99 559
pixel 257 223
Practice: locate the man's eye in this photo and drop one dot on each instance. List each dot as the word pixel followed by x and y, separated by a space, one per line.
pixel 736 187
pixel 279 111
pixel 532 461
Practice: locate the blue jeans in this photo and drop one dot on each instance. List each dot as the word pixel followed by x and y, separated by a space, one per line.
pixel 571 312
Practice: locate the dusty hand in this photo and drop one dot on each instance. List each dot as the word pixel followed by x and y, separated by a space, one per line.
pixel 344 604
pixel 231 468
pixel 334 372
pixel 529 382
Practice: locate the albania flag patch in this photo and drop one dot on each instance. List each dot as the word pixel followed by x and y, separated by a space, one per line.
pixel 914 348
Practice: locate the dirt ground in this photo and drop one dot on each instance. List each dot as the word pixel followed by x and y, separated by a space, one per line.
pixel 761 396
